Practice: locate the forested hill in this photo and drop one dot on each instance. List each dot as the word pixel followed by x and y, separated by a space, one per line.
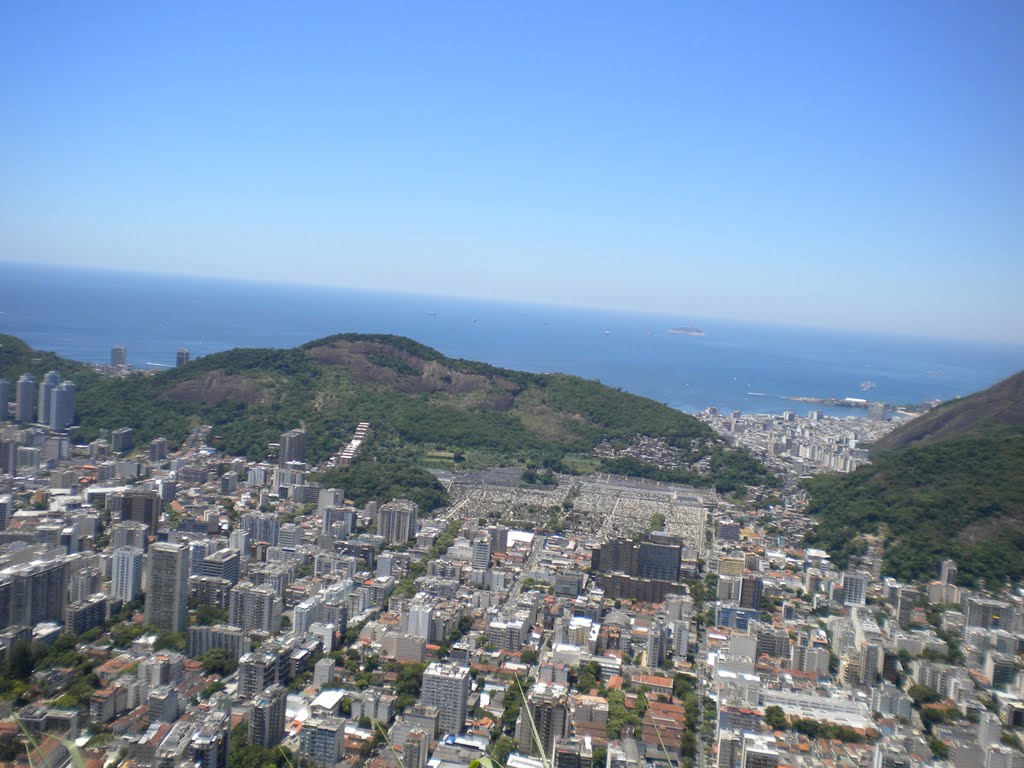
pixel 425 408
pixel 948 484
pixel 995 411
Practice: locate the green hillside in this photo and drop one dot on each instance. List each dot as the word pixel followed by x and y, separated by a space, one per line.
pixel 998 410
pixel 951 486
pixel 17 357
pixel 426 409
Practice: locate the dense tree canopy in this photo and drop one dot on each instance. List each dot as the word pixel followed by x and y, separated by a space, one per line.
pixel 960 498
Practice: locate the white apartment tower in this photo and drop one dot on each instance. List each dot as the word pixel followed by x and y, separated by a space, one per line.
pixel 126 573
pixel 446 686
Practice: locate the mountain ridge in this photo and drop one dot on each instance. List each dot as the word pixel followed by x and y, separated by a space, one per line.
pixel 992 411
pixel 947 484
pixel 426 409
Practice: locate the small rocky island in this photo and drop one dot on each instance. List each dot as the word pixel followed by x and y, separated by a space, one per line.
pixel 687 331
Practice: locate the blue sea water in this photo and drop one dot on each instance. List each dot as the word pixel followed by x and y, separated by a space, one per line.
pixel 81 313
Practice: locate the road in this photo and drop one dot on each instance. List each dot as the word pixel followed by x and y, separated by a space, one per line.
pixel 537 546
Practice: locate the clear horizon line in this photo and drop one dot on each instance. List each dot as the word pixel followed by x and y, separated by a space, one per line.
pixel 331 285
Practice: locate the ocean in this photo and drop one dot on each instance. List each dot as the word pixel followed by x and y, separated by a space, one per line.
pixel 81 314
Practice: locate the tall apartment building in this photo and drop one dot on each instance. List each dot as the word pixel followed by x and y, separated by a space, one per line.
pixel 322 740
pixel 33 593
pixel 222 564
pixel 25 392
pixel 643 559
pixel 208 747
pixel 46 386
pixel 758 752
pixel 398 521
pixel 482 551
pixel 262 526
pixel 255 608
pixel 257 671
pixel 62 406
pixel 550 710
pixel 855 588
pixel 289 536
pixel 122 440
pixel 158 449
pixel 126 573
pixel 658 642
pixel 987 613
pixel 7 505
pixel 137 505
pixel 446 686
pixel 128 534
pixel 338 522
pixel 167 586
pixel 182 357
pixel 266 716
pixel 751 589
pixel 292 447
pixel 118 356
pixel 416 749
pixel 5 398
pixel 232 640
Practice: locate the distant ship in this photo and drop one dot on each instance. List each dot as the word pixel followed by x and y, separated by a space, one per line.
pixel 867 386
pixel 687 331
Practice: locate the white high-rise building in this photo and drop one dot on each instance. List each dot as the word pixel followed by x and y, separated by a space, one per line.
pixel 239 540
pixel 62 406
pixel 46 386
pixel 758 752
pixel 126 573
pixel 167 587
pixel 25 392
pixel 855 588
pixel 482 551
pixel 418 616
pixel 446 686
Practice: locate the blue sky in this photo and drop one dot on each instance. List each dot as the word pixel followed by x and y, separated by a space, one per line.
pixel 853 165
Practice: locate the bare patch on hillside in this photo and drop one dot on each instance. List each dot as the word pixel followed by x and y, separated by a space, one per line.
pixel 218 386
pixel 989 528
pixel 369 362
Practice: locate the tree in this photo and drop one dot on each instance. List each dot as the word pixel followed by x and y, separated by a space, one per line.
pixel 20 661
pixel 922 694
pixel 503 747
pixel 775 717
pixel 938 747
pixel 217 662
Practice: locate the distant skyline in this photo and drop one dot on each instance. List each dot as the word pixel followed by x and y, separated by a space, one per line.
pixel 838 165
